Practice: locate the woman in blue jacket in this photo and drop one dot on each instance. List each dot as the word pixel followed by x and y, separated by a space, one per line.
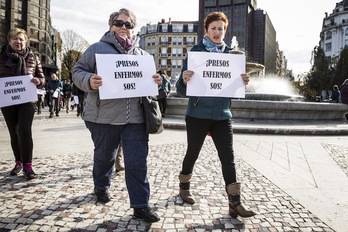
pixel 211 115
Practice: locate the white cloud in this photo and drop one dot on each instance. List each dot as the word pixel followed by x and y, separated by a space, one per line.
pixel 297 22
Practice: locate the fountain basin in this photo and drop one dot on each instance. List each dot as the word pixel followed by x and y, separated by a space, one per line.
pixel 273 97
pixel 270 110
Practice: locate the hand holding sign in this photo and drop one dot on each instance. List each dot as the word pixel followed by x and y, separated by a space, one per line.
pixel 215 74
pixel 187 74
pixel 124 76
pixel 17 90
pixel 95 81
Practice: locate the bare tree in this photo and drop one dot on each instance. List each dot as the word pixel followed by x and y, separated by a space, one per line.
pixel 73 41
pixel 73 47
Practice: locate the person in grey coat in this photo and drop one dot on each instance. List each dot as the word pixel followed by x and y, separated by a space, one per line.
pixel 115 121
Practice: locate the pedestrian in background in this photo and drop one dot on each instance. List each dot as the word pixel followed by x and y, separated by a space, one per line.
pixel 211 115
pixel 344 94
pixel 17 59
pixel 54 86
pixel 163 91
pixel 79 98
pixel 40 99
pixel 67 94
pixel 116 120
pixel 335 95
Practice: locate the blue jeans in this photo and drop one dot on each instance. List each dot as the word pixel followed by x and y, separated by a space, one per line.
pixel 106 139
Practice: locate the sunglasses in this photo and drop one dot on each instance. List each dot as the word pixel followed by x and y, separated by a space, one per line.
pixel 120 23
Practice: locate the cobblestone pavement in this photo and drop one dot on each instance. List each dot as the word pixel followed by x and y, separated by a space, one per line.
pixel 62 199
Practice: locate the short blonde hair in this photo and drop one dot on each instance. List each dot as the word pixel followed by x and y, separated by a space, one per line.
pixel 14 32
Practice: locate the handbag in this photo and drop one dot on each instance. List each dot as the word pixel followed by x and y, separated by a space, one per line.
pixel 162 94
pixel 152 115
pixel 56 93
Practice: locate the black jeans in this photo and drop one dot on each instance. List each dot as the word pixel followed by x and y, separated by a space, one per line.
pixel 222 135
pixel 39 104
pixel 163 105
pixel 54 104
pixel 80 105
pixel 19 119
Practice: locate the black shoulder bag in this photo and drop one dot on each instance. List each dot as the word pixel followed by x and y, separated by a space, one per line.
pixel 152 115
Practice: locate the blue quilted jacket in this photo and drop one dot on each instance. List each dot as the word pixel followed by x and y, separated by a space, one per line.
pixel 215 108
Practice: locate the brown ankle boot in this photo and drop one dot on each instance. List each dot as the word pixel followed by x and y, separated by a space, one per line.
pixel 185 193
pixel 235 206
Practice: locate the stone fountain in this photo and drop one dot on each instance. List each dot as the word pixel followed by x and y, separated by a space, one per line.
pixel 268 105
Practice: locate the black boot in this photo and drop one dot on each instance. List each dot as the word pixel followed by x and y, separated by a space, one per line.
pixel 147 214
pixel 102 195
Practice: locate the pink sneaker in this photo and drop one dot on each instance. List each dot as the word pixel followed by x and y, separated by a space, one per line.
pixel 17 169
pixel 28 171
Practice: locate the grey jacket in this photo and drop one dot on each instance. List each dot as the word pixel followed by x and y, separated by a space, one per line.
pixel 113 111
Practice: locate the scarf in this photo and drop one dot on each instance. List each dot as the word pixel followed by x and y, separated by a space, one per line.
pixel 212 47
pixel 17 58
pixel 125 42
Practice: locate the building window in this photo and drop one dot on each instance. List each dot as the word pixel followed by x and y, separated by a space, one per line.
pixel 329 35
pixel 44 14
pixel 34 45
pixel 190 27
pixel 210 3
pixel 174 40
pixel 179 40
pixel 149 41
pixel 43 3
pixel 179 63
pixel 152 28
pixel 43 24
pixel 189 40
pixel 163 63
pixel 178 27
pixel 346 42
pixel 163 51
pixel 35 10
pixel 164 27
pixel 173 63
pixel 19 5
pixel 17 16
pixel 346 32
pixel 328 47
pixel 179 51
pixel 164 40
pixel 224 2
pixel 174 51
pixel 34 22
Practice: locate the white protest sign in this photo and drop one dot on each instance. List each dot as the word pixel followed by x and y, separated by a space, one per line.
pixel 17 90
pixel 216 74
pixel 126 76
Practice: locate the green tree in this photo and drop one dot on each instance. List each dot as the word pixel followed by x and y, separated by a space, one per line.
pixel 321 74
pixel 68 62
pixel 341 68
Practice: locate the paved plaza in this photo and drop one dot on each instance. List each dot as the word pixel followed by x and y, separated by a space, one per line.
pixel 294 182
